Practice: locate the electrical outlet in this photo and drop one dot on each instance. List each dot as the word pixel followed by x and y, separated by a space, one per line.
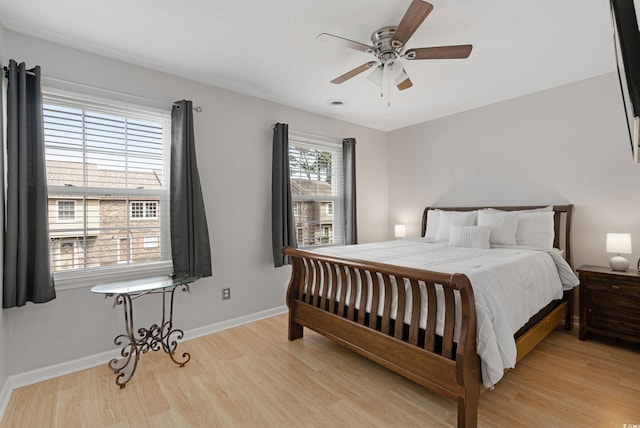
pixel 226 293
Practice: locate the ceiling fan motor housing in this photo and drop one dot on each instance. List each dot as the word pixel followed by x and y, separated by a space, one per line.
pixel 381 41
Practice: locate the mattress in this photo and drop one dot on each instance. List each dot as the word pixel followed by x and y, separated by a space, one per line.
pixel 510 286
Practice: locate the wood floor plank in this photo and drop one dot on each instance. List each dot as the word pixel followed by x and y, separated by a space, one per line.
pixel 252 376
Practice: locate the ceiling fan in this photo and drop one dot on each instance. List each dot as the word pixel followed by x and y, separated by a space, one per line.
pixel 388 46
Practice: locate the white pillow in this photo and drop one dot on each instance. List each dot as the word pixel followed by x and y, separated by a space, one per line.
pixel 446 219
pixel 469 236
pixel 432 225
pixel 535 229
pixel 504 225
pixel 537 210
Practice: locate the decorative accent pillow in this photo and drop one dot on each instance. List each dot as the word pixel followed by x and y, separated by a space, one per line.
pixel 469 236
pixel 446 219
pixel 504 225
pixel 535 229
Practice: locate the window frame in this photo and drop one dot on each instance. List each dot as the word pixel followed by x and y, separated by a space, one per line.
pixel 58 211
pixel 145 209
pixel 335 200
pixel 85 277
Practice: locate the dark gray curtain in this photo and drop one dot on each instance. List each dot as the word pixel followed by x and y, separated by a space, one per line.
pixel 349 161
pixel 27 257
pixel 282 221
pixel 189 232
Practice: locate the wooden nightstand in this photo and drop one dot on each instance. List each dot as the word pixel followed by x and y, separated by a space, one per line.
pixel 609 303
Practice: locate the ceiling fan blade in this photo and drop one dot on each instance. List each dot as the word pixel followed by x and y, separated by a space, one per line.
pixel 349 74
pixel 405 84
pixel 414 16
pixel 330 38
pixel 439 52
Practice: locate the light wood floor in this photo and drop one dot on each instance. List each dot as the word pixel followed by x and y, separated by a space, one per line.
pixel 251 376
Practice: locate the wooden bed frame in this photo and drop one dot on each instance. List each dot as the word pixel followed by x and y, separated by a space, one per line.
pixel 435 362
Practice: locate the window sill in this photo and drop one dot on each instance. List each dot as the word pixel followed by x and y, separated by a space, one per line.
pixel 311 247
pixel 69 280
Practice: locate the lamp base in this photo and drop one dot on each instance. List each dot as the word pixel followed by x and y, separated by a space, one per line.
pixel 619 263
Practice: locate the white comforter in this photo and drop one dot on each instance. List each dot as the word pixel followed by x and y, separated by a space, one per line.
pixel 510 285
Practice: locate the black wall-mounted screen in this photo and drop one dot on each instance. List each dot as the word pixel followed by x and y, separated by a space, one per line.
pixel 627 44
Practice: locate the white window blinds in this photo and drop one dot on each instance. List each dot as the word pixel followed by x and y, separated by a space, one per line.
pixel 317 188
pixel 109 164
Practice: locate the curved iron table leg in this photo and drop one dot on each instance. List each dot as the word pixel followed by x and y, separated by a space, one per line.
pixel 154 338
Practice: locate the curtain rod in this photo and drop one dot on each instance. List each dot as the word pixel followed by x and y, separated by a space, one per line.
pixel 308 134
pixel 197 109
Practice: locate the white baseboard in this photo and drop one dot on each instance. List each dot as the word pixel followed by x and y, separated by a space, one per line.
pixel 39 375
pixel 233 322
pixel 5 395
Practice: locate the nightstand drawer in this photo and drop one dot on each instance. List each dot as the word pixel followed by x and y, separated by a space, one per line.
pixel 613 285
pixel 613 314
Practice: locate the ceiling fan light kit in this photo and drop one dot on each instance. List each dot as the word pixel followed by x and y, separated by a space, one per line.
pixel 387 45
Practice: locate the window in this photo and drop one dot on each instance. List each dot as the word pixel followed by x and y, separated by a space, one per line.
pixel 137 209
pixel 66 211
pixel 150 241
pixel 107 172
pixel 317 191
pixel 144 210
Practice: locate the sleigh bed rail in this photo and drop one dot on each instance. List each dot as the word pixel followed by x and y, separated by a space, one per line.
pixel 351 302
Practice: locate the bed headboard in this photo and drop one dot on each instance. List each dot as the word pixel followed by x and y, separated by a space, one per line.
pixel 561 223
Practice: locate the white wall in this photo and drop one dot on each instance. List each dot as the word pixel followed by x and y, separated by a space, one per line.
pixel 564 145
pixel 233 136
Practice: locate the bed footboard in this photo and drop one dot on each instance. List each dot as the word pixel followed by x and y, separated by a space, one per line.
pixel 362 305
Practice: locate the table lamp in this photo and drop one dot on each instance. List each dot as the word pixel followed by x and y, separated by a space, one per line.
pixel 619 243
pixel 400 231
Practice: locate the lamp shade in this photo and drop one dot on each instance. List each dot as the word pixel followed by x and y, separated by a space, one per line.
pixel 376 76
pixel 392 70
pixel 619 243
pixel 400 231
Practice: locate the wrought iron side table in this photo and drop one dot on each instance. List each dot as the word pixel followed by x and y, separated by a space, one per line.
pixel 163 336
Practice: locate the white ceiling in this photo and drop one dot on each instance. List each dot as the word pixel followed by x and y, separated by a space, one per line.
pixel 269 49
